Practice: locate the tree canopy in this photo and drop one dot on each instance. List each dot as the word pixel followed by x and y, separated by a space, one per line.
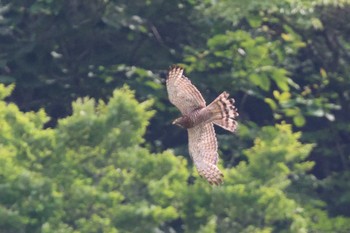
pixel 86 143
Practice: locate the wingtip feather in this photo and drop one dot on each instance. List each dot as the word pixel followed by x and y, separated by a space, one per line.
pixel 212 174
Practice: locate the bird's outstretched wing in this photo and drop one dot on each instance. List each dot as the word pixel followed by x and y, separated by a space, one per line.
pixel 203 147
pixel 182 93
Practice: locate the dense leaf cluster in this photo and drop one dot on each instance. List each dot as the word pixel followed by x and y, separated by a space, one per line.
pixel 112 162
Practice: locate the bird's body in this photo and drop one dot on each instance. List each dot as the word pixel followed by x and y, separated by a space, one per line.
pixel 194 118
pixel 198 119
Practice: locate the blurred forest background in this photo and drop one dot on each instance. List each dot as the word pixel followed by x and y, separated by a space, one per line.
pixel 86 141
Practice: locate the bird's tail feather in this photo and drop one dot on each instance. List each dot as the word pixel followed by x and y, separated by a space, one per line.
pixel 224 112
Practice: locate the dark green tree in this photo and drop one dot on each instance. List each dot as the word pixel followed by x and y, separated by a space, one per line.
pixel 283 61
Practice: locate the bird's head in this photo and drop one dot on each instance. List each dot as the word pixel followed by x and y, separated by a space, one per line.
pixel 183 122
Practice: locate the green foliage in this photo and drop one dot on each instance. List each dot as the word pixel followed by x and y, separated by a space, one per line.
pixel 87 175
pixel 72 167
pixel 254 197
pixel 321 222
pixel 90 174
pixel 304 46
pixel 57 51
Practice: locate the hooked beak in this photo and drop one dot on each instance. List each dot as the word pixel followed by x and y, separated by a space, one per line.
pixel 177 122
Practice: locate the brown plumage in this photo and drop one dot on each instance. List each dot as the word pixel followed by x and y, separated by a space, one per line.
pixel 198 119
